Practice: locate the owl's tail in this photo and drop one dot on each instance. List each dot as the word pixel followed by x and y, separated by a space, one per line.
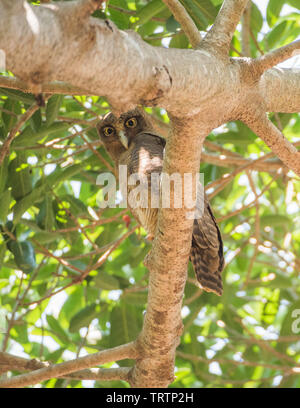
pixel 207 252
pixel 207 269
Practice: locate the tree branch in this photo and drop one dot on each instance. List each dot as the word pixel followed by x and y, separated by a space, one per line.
pixel 273 58
pixel 167 263
pixel 276 87
pixel 277 142
pixel 102 374
pixel 6 145
pixel 189 27
pixel 246 51
pixel 13 4
pixel 176 79
pixel 9 362
pixel 193 357
pixel 128 350
pixel 55 87
pixel 83 8
pixel 221 33
pixel 225 161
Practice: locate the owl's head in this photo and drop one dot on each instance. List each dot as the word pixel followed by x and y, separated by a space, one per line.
pixel 118 133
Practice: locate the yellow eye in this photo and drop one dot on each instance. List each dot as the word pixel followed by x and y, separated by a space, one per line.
pixel 108 130
pixel 131 123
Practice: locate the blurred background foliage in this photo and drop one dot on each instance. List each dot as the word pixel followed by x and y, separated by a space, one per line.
pixel 72 279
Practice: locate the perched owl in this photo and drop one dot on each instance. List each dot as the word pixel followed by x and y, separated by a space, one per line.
pixel 130 140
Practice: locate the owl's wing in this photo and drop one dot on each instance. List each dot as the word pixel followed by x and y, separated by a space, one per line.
pixel 146 154
pixel 207 251
pixel 157 139
pixel 145 157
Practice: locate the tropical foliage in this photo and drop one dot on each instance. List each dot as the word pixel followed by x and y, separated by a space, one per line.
pixel 72 279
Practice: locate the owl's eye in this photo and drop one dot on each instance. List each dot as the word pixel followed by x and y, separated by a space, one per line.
pixel 108 130
pixel 131 123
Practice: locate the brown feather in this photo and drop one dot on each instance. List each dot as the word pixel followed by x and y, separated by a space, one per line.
pixel 144 156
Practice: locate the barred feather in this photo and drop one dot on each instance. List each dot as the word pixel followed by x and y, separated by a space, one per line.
pixel 207 252
pixel 145 156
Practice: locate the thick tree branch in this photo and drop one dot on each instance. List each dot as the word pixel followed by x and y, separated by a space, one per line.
pixel 246 30
pixel 83 8
pixel 189 27
pixel 276 87
pixel 221 33
pixel 128 350
pixel 228 161
pixel 167 263
pixel 9 362
pixel 273 58
pixel 102 374
pixel 15 5
pixel 181 81
pixel 276 141
pixel 55 87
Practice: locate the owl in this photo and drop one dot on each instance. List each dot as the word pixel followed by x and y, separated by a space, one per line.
pixel 131 140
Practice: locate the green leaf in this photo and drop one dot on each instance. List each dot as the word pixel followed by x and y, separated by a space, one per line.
pixel 273 11
pixel 77 207
pixel 294 3
pixel 179 41
pixel 3 174
pixel 20 333
pixel 172 25
pixel 37 194
pixel 5 199
pixel 47 237
pixel 109 234
pixel 18 96
pixel 9 227
pixel 60 175
pixel 119 18
pixel 2 255
pixel 202 12
pixel 29 138
pixel 52 108
pixel 235 138
pixel 275 36
pixel 54 356
pixel 150 10
pixel 126 322
pixel 8 119
pixel 105 281
pixel 73 303
pixel 275 220
pixel 24 255
pixel 36 121
pixel 207 8
pixel 45 218
pixel 84 317
pixel 57 329
pixel 20 176
pixel 26 202
pixel 136 298
pixel 256 20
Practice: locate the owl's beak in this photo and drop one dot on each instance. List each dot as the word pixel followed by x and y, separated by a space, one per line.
pixel 123 139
